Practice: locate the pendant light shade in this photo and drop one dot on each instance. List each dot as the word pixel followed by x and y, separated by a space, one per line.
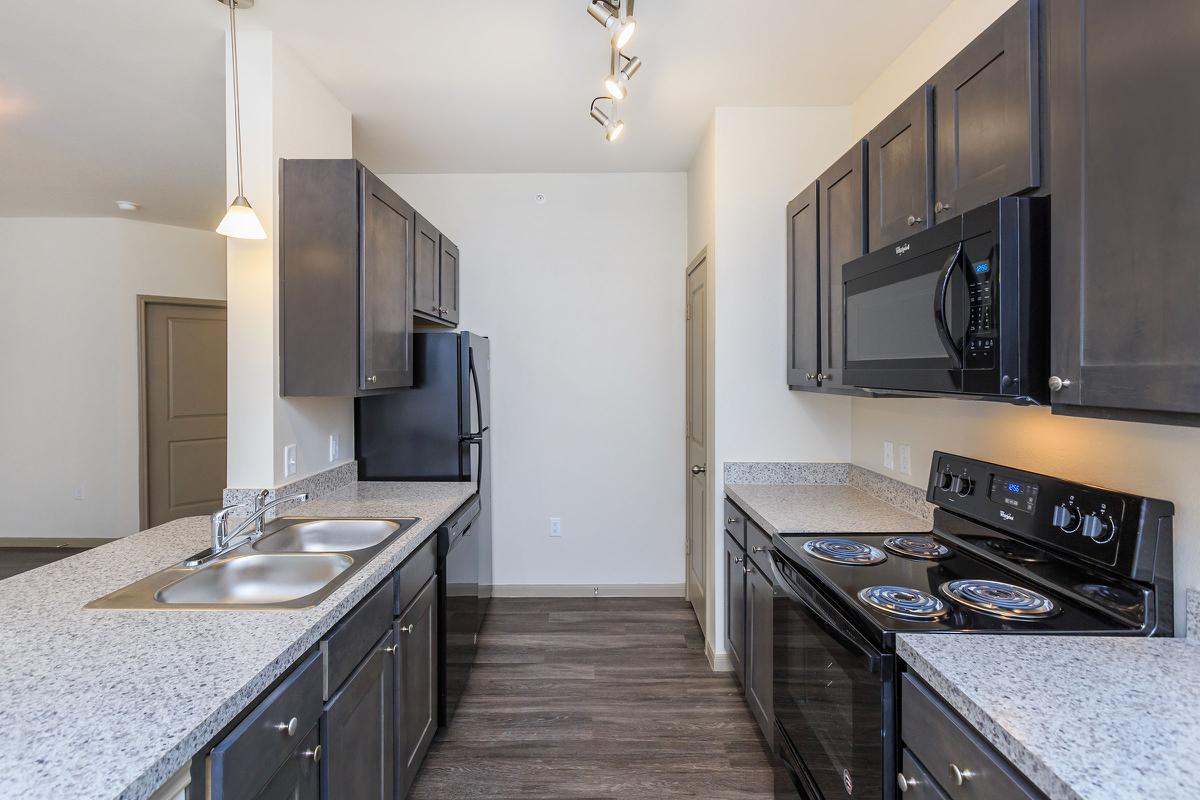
pixel 240 221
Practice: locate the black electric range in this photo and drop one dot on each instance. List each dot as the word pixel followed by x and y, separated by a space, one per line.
pixel 1009 552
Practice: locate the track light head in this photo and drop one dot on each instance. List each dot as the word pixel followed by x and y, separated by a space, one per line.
pixel 612 128
pixel 622 29
pixel 617 83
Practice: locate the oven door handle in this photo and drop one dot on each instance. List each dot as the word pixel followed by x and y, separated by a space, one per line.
pixel 939 309
pixel 827 621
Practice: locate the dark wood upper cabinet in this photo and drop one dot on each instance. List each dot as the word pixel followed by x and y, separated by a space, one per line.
pixel 803 290
pixel 448 266
pixel 843 237
pixel 986 98
pixel 345 302
pixel 900 171
pixel 426 283
pixel 1125 335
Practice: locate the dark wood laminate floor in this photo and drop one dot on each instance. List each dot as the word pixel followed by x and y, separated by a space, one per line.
pixel 609 698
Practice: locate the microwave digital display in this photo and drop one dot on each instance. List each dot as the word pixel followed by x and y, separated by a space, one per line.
pixel 982 267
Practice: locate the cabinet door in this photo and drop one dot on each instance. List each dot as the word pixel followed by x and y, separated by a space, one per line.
pixel 358 759
pixel 735 607
pixel 803 291
pixel 425 268
pixel 900 172
pixel 760 663
pixel 1124 78
pixel 385 299
pixel 449 281
pixel 416 685
pixel 988 122
pixel 843 238
pixel 300 776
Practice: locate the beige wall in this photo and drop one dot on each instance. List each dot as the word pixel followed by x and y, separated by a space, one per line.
pixel 68 364
pixel 583 298
pixel 1155 460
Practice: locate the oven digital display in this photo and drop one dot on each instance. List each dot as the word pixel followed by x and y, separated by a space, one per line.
pixel 1014 493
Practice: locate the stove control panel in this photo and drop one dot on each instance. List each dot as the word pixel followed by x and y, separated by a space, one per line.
pixel 1116 530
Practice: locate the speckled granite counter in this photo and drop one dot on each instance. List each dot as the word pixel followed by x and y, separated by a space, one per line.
pixel 1084 718
pixel 793 508
pixel 107 704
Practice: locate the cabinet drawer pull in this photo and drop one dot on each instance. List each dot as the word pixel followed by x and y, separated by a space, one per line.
pixel 960 776
pixel 904 782
pixel 407 628
pixel 288 727
pixel 314 754
pixel 1057 384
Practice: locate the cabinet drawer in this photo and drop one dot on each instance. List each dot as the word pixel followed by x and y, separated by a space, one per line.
pixel 915 783
pixel 253 751
pixel 353 637
pixel 966 766
pixel 758 546
pixel 735 523
pixel 414 573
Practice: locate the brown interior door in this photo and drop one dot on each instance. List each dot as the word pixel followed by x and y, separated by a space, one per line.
pixel 697 439
pixel 184 353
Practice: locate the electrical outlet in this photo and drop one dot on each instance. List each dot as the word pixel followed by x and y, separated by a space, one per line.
pixel 334 447
pixel 555 526
pixel 289 460
pixel 80 492
pixel 889 459
pixel 906 459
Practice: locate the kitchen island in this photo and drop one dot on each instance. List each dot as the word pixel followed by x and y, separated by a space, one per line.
pixel 111 703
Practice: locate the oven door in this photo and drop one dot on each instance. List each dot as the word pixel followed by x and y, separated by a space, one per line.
pixel 834 700
pixel 905 321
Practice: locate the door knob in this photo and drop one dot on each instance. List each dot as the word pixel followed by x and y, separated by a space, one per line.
pixel 697 469
pixel 1057 384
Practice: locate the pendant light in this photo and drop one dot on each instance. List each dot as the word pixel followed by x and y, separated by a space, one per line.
pixel 240 221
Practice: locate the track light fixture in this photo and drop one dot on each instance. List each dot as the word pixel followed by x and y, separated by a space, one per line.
pixel 622 28
pixel 617 83
pixel 612 128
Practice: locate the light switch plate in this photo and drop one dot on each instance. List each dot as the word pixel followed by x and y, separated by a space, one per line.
pixel 289 460
pixel 906 459
pixel 889 459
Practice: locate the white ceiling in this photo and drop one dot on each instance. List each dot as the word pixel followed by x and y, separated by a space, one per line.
pixel 123 99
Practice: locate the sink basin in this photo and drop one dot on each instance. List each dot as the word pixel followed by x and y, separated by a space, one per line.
pixel 327 536
pixel 257 579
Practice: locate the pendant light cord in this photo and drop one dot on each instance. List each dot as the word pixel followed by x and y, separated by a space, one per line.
pixel 237 100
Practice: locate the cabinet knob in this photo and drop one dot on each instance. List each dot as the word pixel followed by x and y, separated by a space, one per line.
pixel 443 309
pixel 904 782
pixel 810 376
pixel 737 559
pixel 391 648
pixel 407 628
pixel 731 520
pixel 913 220
pixel 940 207
pixel 288 727
pixel 747 569
pixel 823 377
pixel 373 379
pixel 959 775
pixel 758 549
pixel 314 754
pixel 1057 384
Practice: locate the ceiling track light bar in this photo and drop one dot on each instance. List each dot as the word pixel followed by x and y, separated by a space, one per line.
pixel 616 16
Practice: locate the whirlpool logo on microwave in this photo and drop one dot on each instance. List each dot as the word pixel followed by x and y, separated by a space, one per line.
pixel 904 248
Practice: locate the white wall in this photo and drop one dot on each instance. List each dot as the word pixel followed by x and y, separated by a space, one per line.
pixel 286 113
pixel 68 364
pixel 583 298
pixel 1155 460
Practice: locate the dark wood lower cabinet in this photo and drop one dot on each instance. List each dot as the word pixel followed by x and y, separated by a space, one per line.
pixel 735 606
pixel 358 759
pixel 300 776
pixel 760 662
pixel 416 685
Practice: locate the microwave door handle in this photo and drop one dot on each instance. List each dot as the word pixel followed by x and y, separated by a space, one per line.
pixel 823 618
pixel 939 309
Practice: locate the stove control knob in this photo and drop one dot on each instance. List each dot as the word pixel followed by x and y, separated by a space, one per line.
pixel 1099 529
pixel 945 481
pixel 963 485
pixel 1066 518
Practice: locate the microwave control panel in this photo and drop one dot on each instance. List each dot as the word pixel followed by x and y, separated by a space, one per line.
pixel 979 346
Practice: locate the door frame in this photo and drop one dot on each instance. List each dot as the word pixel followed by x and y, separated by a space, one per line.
pixel 700 260
pixel 144 300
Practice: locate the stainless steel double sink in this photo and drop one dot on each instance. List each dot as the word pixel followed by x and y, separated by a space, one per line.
pixel 296 563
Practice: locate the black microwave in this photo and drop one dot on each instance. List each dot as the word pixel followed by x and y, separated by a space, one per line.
pixel 959 309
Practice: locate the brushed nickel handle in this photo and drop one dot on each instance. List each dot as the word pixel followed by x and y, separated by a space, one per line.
pixel 1057 384
pixel 758 548
pixel 737 559
pixel 373 379
pixel 940 207
pixel 407 628
pixel 823 377
pixel 747 569
pixel 959 775
pixel 391 648
pixel 913 220
pixel 731 520
pixel 288 727
pixel 314 754
pixel 697 469
pixel 904 782
pixel 443 309
pixel 810 376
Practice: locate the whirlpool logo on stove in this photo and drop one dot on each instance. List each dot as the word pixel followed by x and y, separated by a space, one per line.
pixel 1007 516
pixel 847 781
pixel 904 248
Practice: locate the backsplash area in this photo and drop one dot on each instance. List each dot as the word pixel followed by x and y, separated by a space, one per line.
pixel 315 485
pixel 909 499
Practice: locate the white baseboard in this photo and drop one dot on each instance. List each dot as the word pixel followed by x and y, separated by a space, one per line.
pixel 717 662
pixel 589 590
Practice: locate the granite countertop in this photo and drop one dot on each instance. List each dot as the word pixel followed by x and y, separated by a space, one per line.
pixel 812 508
pixel 1083 717
pixel 108 704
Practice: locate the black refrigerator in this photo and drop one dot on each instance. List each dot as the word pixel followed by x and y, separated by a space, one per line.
pixel 439 430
